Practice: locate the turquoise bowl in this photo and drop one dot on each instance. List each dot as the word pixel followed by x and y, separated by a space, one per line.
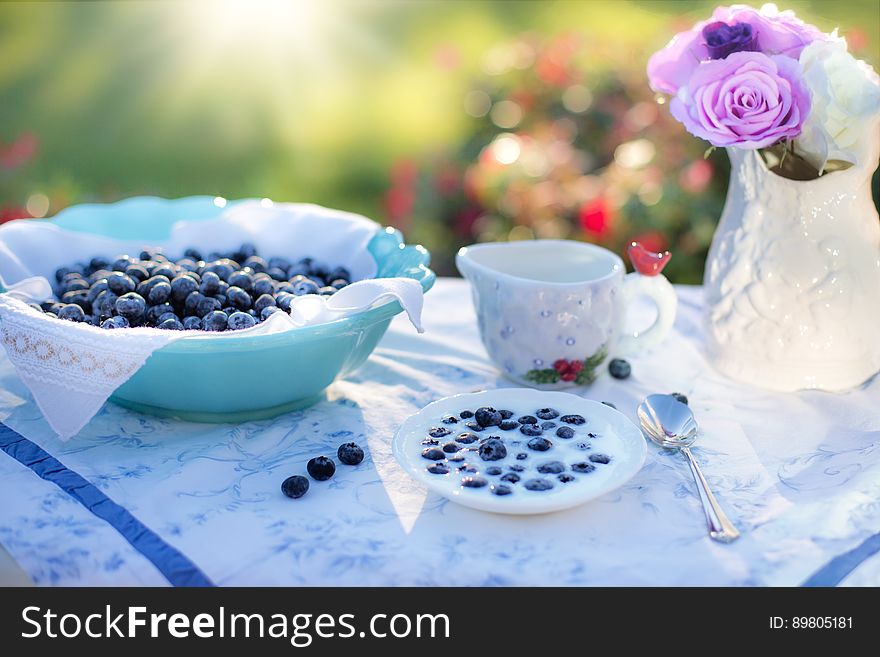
pixel 236 379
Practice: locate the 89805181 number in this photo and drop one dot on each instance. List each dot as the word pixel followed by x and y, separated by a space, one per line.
pixel 821 622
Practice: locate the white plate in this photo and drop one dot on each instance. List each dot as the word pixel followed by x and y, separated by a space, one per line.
pixel 616 436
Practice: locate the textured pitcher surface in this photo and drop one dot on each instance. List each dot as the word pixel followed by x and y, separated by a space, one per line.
pixel 792 281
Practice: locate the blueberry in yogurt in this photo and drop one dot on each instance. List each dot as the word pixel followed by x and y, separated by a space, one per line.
pixel 505 414
pixel 582 467
pixel 433 454
pixel 438 468
pixel 501 489
pixel 493 449
pixel 539 444
pixel 510 477
pixel 450 419
pixel 528 419
pixel 508 425
pixel 473 482
pixel 565 478
pixel 604 459
pixel 565 433
pixel 522 456
pixel 551 467
pixel 576 420
pixel 547 413
pixel 531 430
pixel 466 415
pixel 466 438
pixel 539 484
pixel 488 417
pixel 450 448
pixel 438 432
pixel 493 470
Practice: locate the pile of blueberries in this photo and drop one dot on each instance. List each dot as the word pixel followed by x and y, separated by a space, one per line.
pixel 450 454
pixel 215 292
pixel 321 468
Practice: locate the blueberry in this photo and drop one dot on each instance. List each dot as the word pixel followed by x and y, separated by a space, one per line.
pixel 505 414
pixel 214 321
pixel 264 301
pixel 279 262
pixel 239 320
pixel 277 273
pixel 451 448
pixel 350 453
pixel 208 305
pixel 321 468
pixel 105 305
pixel 72 313
pixel 465 415
pixel 78 297
pixel 619 368
pixel 171 324
pixel 516 467
pixel 159 293
pixel 181 287
pixel 604 459
pixel 75 284
pixel 131 306
pixel 283 300
pixel 493 470
pixel 531 429
pixel 241 280
pixel 508 425
pixel 305 287
pixel 238 298
pixel 326 291
pixel 433 454
pixel 263 286
pixel 565 478
pixel 96 289
pixel 522 456
pixel 680 398
pixel 268 311
pixel 98 262
pixel 121 263
pixel 138 273
pixel 548 425
pixel 255 263
pixel 577 420
pixel 583 446
pixel 120 283
pixel 565 432
pixel 438 432
pixel 551 467
pixel 538 484
pixel 450 419
pixel 144 288
pixel 493 450
pixel 466 438
pixel 547 413
pixel 539 444
pixel 115 323
pixel 223 267
pixel 528 419
pixel 474 426
pixel 611 405
pixel 430 441
pixel 191 303
pixel 487 417
pixel 511 477
pixel 210 284
pixel 338 273
pixel 295 486
pixel 455 457
pixel 188 265
pixel 473 482
pixel 192 324
pixel 155 312
pixel 583 467
pixel 500 489
pixel 339 283
pixel 438 468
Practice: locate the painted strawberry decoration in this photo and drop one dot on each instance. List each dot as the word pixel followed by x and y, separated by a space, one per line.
pixel 647 263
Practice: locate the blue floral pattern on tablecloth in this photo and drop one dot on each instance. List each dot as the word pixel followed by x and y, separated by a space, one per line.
pixel 800 474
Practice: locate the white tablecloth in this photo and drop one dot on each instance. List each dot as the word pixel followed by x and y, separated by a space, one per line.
pixel 799 474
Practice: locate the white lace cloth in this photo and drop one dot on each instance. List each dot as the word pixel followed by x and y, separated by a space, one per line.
pixel 72 369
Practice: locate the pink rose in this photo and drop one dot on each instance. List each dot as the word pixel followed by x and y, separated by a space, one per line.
pixel 769 31
pixel 748 100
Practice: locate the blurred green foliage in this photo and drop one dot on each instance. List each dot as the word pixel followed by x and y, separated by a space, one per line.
pixel 364 106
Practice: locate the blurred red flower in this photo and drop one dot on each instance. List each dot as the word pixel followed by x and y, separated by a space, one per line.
pixel 19 151
pixel 11 212
pixel 595 217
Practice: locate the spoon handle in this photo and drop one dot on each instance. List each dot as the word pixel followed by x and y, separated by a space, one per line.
pixel 720 527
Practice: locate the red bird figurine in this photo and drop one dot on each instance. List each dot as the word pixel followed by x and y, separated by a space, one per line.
pixel 647 263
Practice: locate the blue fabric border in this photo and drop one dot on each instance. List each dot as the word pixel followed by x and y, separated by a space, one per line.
pixel 177 569
pixel 834 572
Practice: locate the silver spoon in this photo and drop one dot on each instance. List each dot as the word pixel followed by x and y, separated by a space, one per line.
pixel 671 424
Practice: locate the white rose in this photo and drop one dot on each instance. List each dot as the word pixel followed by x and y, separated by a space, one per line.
pixel 845 102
